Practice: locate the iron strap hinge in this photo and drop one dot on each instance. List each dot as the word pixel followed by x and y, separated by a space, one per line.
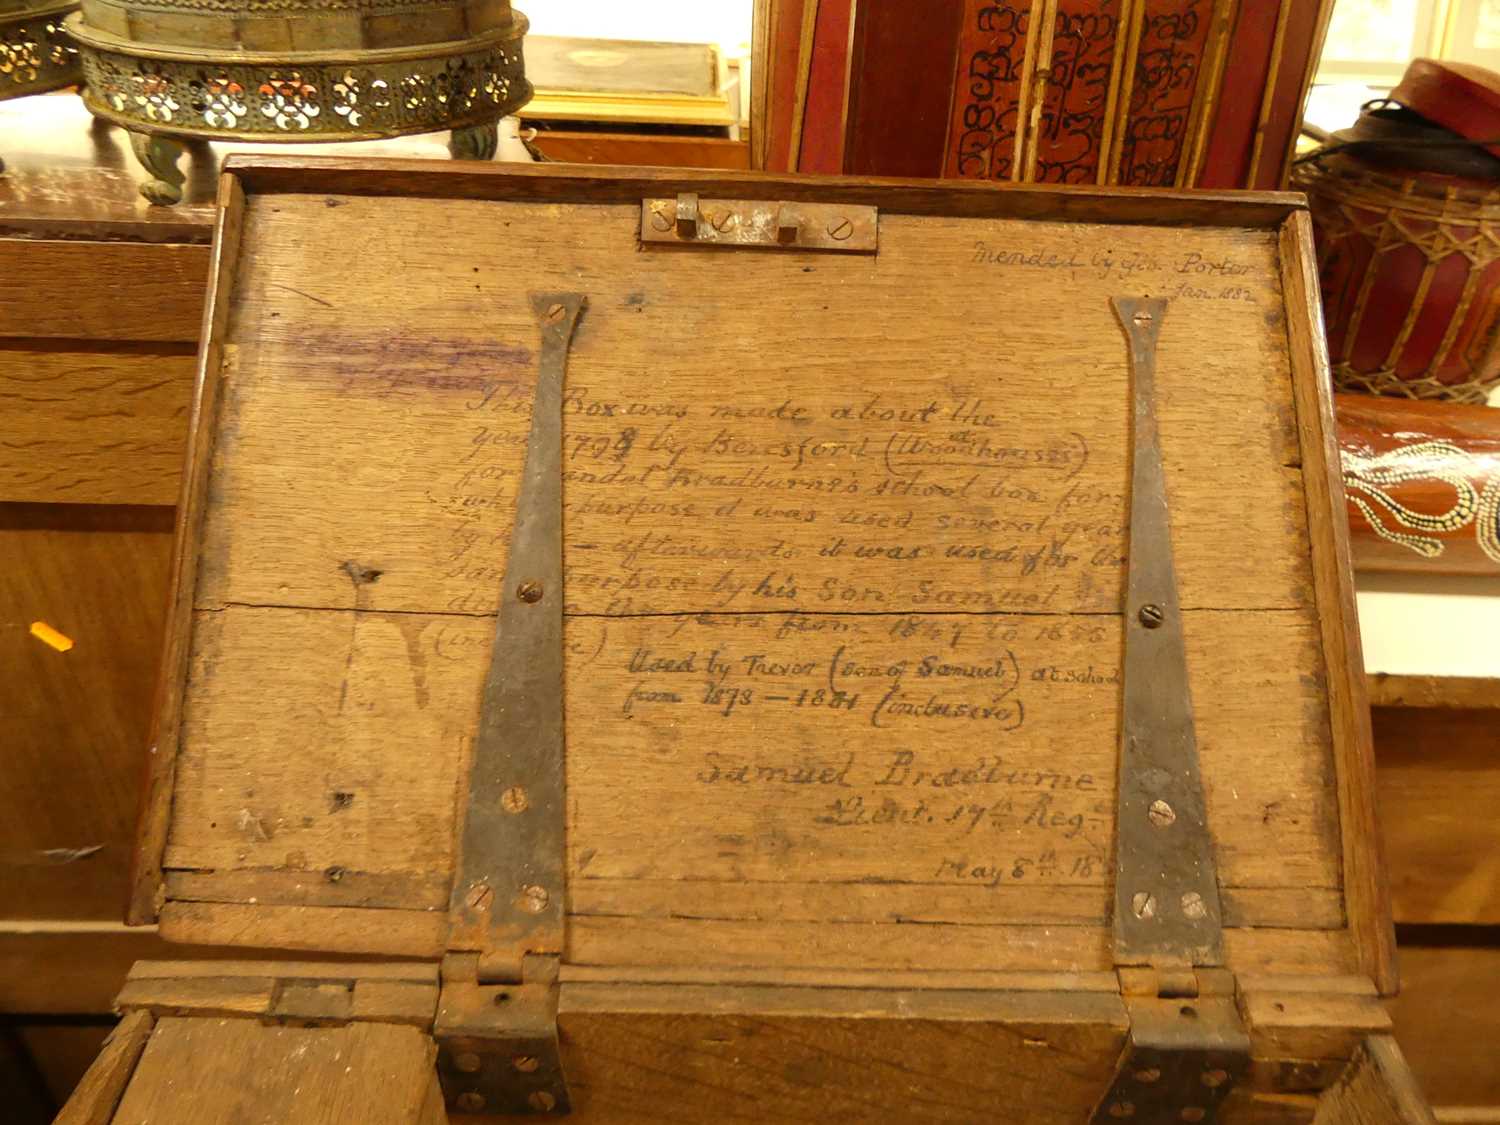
pixel 1187 1046
pixel 498 1049
pixel 497 1011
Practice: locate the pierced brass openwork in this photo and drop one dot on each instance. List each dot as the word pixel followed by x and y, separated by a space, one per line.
pixel 298 70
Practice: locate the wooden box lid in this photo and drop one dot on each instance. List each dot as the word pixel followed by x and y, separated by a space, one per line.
pixel 844 539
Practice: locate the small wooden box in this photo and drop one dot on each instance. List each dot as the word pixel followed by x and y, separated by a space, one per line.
pixel 844 536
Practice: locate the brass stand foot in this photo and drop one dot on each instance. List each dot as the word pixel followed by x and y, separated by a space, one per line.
pixel 475 142
pixel 159 156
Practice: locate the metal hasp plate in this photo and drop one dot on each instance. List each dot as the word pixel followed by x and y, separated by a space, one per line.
pixel 847 229
pixel 1187 1043
pixel 497 1021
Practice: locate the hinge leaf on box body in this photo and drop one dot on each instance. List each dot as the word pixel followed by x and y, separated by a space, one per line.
pixel 497 1016
pixel 1187 1045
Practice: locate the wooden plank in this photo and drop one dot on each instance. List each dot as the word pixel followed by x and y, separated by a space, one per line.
pixel 322 930
pixel 1447 1018
pixel 638 1055
pixel 1365 888
pixel 273 173
pixel 1302 1025
pixel 95 290
pixel 74 969
pixel 97 1095
pixel 241 1070
pixel 1454 692
pixel 332 814
pixel 77 719
pixel 663 151
pixel 310 992
pixel 408 972
pixel 145 868
pixel 1439 781
pixel 84 426
pixel 1377 1089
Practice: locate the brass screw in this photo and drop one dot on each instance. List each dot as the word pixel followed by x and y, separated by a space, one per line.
pixel 533 899
pixel 1122 1109
pixel 1142 318
pixel 526 1064
pixel 1152 616
pixel 840 228
pixel 1192 905
pixel 1143 905
pixel 555 313
pixel 1161 814
pixel 468 1062
pixel 480 896
pixel 470 1102
pixel 541 1101
pixel 660 219
pixel 1193 1113
pixel 1213 1079
pixel 1148 1076
pixel 529 591
pixel 514 799
pixel 722 221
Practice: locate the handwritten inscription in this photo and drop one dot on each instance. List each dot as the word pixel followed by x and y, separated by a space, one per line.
pixel 951 736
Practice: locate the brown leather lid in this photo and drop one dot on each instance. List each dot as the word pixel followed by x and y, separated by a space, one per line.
pixel 1459 96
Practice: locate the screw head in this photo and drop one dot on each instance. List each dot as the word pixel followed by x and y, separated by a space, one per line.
pixel 555 313
pixel 533 899
pixel 1193 906
pixel 541 1101
pixel 480 896
pixel 1161 814
pixel 467 1061
pixel 1142 318
pixel 530 591
pixel 1122 1109
pixel 840 229
pixel 1193 1113
pixel 1151 616
pixel 470 1102
pixel 1143 905
pixel 1215 1078
pixel 660 219
pixel 526 1064
pixel 722 220
pixel 514 799
pixel 1149 1075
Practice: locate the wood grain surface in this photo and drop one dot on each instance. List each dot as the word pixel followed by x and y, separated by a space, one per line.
pixel 797 587
pixel 226 1071
pixel 1447 1018
pixel 98 1094
pixel 91 424
pixel 1377 1089
pixel 76 718
pixel 1439 786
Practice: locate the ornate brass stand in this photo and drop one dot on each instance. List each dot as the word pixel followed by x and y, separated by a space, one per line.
pixel 298 70
pixel 35 55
